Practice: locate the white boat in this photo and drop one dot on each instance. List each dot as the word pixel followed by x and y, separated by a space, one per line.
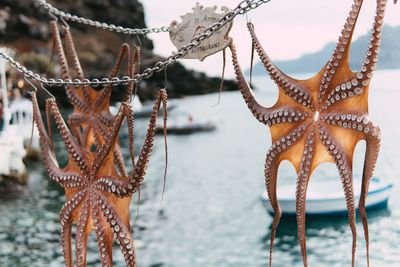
pixel 185 124
pixel 11 141
pixel 21 119
pixel 140 110
pixel 326 197
pixel 11 157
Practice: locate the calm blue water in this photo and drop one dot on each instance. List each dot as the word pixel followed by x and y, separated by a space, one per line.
pixel 212 214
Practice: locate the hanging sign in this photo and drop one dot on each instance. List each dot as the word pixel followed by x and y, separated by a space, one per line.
pixel 195 23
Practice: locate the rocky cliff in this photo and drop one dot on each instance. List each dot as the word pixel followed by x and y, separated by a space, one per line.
pixel 25 27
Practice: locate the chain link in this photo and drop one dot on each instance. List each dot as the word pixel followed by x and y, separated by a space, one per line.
pixel 243 7
pixel 97 24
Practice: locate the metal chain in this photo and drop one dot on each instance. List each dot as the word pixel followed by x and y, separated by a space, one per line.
pixel 97 24
pixel 243 7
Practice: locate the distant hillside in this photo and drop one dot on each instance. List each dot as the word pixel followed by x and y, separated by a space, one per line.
pixel 309 63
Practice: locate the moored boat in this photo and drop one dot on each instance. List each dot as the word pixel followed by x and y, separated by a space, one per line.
pixel 21 120
pixel 11 142
pixel 326 197
pixel 186 125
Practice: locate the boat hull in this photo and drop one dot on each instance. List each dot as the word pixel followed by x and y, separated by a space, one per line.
pixel 378 197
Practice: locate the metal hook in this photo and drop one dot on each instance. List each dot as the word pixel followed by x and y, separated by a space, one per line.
pixel 50 94
pixel 33 86
pixel 66 25
pixel 248 19
pixel 139 41
pixel 165 76
pixel 54 17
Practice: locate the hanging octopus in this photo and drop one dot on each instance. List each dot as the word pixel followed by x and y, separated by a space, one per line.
pixel 98 197
pixel 91 118
pixel 319 120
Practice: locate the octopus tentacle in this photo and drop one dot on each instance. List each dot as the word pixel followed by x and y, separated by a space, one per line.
pixel 371 56
pixel 372 136
pixel 102 130
pixel 76 64
pixel 119 160
pixel 48 120
pixel 66 225
pixel 131 69
pixel 301 191
pixel 81 235
pixel 110 140
pixel 104 95
pixel 371 132
pixel 103 236
pixel 77 119
pixel 105 118
pixel 136 60
pixel 341 52
pixel 289 85
pixel 359 123
pixel 131 134
pixel 134 67
pixel 125 187
pixel 143 158
pixel 121 231
pixel 271 171
pixel 68 179
pixel 345 171
pixel 72 52
pixel 265 115
pixel 356 84
pixel 60 51
pixel 343 91
pixel 284 115
pixel 76 101
pixel 46 145
pixel 371 156
pixel 65 74
pixel 114 186
pixel 73 148
pixel 256 108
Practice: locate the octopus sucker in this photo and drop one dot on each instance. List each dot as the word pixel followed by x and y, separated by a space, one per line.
pixel 332 106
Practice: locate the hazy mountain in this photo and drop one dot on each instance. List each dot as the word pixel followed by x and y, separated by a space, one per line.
pixel 310 63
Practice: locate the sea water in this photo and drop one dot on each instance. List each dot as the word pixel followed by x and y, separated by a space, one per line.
pixel 212 214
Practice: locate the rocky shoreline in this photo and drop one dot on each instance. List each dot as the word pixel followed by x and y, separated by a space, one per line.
pixel 25 28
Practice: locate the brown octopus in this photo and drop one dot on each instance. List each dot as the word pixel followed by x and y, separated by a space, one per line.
pixel 91 118
pixel 98 197
pixel 319 120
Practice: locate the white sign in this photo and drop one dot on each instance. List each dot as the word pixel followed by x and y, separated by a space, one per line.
pixel 195 23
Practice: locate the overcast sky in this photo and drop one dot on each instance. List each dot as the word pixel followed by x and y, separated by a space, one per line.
pixel 286 28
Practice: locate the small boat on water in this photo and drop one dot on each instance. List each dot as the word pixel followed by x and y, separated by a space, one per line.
pixel 11 157
pixel 21 119
pixel 186 125
pixel 11 141
pixel 326 197
pixel 140 110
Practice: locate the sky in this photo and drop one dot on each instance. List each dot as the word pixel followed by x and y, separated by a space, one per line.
pixel 287 29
